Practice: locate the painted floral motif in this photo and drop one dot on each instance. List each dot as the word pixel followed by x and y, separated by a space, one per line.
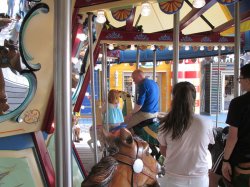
pixel 141 37
pixel 165 38
pixel 223 39
pixel 32 116
pixel 206 39
pixel 186 39
pixel 114 35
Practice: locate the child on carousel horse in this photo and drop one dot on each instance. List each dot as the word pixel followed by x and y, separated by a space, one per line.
pixel 114 117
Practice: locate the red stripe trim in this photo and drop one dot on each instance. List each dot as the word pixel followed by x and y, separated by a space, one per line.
pixel 86 80
pixel 44 158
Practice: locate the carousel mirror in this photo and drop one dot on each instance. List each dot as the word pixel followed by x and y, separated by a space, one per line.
pixel 17 82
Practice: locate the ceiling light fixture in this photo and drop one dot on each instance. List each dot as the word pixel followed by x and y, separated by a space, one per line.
pixel 111 46
pixel 145 9
pixel 170 48
pixel 202 48
pixel 199 3
pixel 216 48
pixel 100 17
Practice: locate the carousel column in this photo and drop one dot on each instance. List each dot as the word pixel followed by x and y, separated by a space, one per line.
pixel 176 47
pixel 154 65
pixel 92 81
pixel 237 48
pixel 62 91
pixel 137 67
pixel 218 86
pixel 137 58
pixel 104 83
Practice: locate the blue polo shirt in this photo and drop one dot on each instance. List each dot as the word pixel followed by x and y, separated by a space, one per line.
pixel 148 96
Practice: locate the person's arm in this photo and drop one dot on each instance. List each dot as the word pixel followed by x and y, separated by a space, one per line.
pixel 230 144
pixel 137 108
pixel 129 116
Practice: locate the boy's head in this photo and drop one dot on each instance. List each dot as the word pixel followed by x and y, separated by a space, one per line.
pixel 244 78
pixel 245 71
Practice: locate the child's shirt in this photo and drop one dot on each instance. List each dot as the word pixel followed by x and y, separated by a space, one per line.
pixel 114 115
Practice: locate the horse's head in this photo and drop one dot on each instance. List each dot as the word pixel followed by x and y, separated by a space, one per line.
pixel 124 95
pixel 135 153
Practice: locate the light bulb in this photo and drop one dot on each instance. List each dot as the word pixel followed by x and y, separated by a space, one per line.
pixel 111 46
pixel 223 48
pixel 186 48
pixel 81 36
pixel 77 76
pixel 74 60
pixel 152 47
pixel 132 47
pixel 202 48
pixel 170 48
pixel 216 48
pixel 100 17
pixel 199 3
pixel 145 9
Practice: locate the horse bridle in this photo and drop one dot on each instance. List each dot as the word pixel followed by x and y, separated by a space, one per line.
pixel 128 160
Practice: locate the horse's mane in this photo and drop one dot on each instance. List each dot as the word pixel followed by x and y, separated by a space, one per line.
pixel 102 173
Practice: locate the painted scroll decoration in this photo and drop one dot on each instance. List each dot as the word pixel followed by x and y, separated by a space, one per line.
pixel 170 6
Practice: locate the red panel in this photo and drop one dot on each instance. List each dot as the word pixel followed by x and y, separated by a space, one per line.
pixel 197 103
pixel 76 42
pixel 192 74
pixel 121 35
pixel 86 3
pixel 44 158
pixel 49 115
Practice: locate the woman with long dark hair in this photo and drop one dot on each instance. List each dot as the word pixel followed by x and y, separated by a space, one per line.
pixel 184 138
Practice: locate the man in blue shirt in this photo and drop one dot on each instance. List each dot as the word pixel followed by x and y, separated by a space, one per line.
pixel 147 104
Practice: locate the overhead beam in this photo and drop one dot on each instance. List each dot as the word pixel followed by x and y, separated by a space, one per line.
pixel 130 20
pixel 122 37
pixel 243 17
pixel 196 13
pixel 92 6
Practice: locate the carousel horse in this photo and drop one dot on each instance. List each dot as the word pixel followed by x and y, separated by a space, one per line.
pixel 4 20
pixel 147 130
pixel 130 165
